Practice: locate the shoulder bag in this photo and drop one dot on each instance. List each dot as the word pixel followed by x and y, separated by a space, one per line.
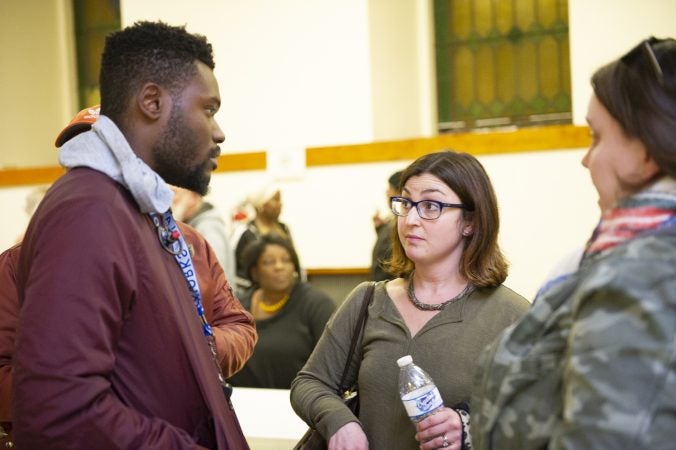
pixel 312 440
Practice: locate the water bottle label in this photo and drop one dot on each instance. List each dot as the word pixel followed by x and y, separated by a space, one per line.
pixel 421 402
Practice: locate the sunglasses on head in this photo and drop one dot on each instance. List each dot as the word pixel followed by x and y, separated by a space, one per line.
pixel 646 51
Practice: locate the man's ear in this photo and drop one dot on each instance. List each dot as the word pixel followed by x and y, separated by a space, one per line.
pixel 151 101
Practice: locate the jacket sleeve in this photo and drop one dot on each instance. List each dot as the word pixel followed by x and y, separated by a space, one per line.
pixel 314 390
pixel 233 326
pixel 618 382
pixel 9 316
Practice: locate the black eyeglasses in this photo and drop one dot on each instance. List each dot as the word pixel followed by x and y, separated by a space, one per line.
pixel 645 48
pixel 427 209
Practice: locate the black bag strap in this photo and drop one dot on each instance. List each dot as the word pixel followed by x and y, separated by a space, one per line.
pixel 358 328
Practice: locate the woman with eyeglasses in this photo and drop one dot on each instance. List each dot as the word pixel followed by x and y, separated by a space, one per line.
pixel 593 364
pixel 446 305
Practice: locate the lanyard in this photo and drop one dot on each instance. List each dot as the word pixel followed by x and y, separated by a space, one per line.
pixel 172 241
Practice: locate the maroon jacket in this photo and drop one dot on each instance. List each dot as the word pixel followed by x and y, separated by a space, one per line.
pixel 234 327
pixel 9 315
pixel 109 352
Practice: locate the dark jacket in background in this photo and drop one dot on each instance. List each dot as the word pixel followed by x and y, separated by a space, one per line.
pixel 286 340
pixel 382 250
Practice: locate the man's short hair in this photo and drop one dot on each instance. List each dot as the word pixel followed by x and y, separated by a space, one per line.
pixel 148 52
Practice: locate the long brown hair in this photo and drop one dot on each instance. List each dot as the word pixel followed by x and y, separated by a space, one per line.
pixel 482 262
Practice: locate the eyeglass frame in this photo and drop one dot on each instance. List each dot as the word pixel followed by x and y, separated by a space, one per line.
pixel 646 48
pixel 441 205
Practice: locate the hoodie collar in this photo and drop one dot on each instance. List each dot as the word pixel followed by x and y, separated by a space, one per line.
pixel 105 149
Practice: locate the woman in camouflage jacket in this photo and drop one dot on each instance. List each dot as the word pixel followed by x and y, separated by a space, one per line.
pixel 593 364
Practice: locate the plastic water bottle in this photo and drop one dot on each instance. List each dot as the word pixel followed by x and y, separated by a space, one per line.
pixel 418 392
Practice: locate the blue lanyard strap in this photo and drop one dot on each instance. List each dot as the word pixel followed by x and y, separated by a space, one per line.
pixel 172 241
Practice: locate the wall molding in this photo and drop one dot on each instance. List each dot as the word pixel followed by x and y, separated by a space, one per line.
pixel 30 175
pixel 231 162
pixel 336 271
pixel 553 137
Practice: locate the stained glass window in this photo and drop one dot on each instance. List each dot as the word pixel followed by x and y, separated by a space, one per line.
pixel 94 19
pixel 502 63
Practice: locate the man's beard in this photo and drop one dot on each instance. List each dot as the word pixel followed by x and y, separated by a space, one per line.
pixel 174 156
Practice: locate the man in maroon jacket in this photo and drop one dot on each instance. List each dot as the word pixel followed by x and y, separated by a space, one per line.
pixel 112 346
pixel 233 326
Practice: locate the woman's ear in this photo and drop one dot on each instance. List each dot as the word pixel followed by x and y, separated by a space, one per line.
pixel 254 274
pixel 650 169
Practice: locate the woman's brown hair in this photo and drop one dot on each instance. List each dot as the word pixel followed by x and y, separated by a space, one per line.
pixel 639 91
pixel 482 262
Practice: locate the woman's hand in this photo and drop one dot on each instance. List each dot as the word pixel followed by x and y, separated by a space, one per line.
pixel 349 437
pixel 440 430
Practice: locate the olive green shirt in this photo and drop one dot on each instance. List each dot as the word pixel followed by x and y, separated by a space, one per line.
pixel 447 347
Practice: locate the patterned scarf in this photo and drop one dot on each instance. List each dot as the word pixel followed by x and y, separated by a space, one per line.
pixel 648 210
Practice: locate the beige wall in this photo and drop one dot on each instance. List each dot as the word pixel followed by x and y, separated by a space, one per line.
pixel 402 66
pixel 37 79
pixel 603 30
pixel 292 73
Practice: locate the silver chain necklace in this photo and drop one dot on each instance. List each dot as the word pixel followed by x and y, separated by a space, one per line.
pixel 435 306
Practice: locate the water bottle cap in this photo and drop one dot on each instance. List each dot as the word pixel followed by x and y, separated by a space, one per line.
pixel 404 361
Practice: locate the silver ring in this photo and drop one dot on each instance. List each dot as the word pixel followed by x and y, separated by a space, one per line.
pixel 445 444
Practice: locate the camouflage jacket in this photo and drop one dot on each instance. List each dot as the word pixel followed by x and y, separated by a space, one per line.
pixel 593 363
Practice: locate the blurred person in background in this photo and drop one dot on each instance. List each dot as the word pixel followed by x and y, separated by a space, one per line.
pixel 290 314
pixel 267 204
pixel 9 316
pixel 32 200
pixel 385 229
pixel 190 207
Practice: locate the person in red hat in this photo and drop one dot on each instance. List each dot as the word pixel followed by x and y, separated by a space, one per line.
pixel 115 349
pixel 82 121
